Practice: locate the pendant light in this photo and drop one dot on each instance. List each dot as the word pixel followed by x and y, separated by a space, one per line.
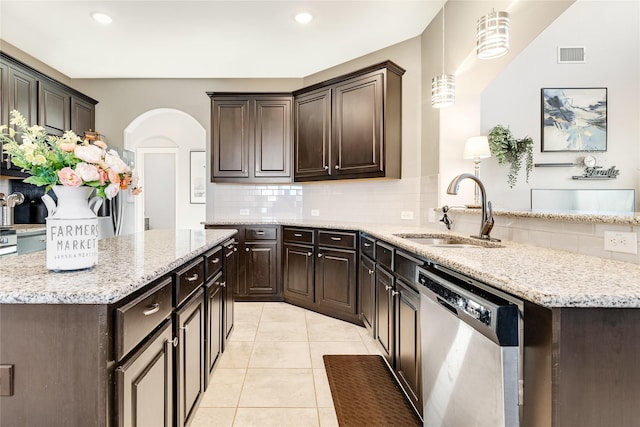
pixel 492 35
pixel 443 87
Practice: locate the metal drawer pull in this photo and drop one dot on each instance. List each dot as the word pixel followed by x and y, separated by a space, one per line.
pixel 367 245
pixel 193 278
pixel 259 232
pixel 337 239
pixel 297 234
pixel 215 260
pixel 152 309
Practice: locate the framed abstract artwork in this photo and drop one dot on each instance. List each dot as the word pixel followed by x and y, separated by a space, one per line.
pixel 574 119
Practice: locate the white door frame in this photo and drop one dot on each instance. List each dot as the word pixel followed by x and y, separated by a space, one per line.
pixel 140 152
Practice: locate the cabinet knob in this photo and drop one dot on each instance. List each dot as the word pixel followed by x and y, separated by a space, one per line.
pixel 370 271
pixel 309 254
pixel 246 249
pixel 174 341
pixel 326 167
pixel 337 167
pixel 394 293
pixel 319 255
pixel 223 284
pixel 184 328
pixel 387 287
pixel 235 249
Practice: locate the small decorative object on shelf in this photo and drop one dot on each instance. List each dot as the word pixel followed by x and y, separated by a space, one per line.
pixel 507 149
pixel 75 169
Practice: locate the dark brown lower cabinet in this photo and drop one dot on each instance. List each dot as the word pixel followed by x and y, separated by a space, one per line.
pixel 335 282
pixel 261 263
pixel 214 297
pixel 229 283
pixel 298 274
pixel 144 384
pixel 384 313
pixel 190 369
pixel 367 280
pixel 407 342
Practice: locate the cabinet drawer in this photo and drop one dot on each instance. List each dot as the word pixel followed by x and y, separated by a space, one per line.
pixel 368 246
pixel 338 239
pixel 384 255
pixel 188 279
pixel 213 261
pixel 404 265
pixel 299 235
pixel 136 319
pixel 260 233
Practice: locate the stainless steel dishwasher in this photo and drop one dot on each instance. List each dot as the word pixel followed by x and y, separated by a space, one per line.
pixel 471 357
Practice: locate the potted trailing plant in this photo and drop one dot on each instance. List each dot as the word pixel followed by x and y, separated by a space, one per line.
pixel 507 149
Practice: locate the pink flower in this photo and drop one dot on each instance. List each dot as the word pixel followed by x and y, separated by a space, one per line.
pixel 100 144
pixel 103 176
pixel 89 153
pixel 69 178
pixel 68 146
pixel 87 172
pixel 111 190
pixel 113 176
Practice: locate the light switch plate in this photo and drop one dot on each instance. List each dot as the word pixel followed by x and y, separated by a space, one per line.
pixel 244 211
pixel 315 212
pixel 6 380
pixel 406 215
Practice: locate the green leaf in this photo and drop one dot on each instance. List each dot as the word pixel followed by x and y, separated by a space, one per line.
pixel 36 180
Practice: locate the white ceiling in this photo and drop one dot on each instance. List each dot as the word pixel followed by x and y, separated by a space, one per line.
pixel 207 38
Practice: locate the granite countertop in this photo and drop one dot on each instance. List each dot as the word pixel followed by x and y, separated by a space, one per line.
pixel 603 218
pixel 548 277
pixel 125 264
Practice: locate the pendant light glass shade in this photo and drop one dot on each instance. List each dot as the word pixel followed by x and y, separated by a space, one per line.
pixel 492 35
pixel 443 91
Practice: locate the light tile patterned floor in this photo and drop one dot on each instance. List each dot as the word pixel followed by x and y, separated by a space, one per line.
pixel 272 373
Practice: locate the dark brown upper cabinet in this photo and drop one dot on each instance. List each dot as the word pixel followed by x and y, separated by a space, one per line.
pixel 251 137
pixel 350 127
pixel 54 110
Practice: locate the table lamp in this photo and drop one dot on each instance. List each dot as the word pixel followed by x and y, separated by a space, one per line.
pixel 476 148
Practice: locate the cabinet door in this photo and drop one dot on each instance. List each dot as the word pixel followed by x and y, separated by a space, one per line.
pixel 53 108
pixel 312 135
pixel 298 273
pixel 335 281
pixel 23 94
pixel 83 116
pixel 214 323
pixel 357 130
pixel 230 134
pixel 261 268
pixel 272 138
pixel 407 345
pixel 144 385
pixel 190 369
pixel 230 282
pixel 4 94
pixel 384 313
pixel 367 292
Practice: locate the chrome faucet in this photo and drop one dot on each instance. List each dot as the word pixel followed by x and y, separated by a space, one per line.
pixel 487 212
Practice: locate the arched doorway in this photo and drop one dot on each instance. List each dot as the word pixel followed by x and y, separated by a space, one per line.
pixel 161 141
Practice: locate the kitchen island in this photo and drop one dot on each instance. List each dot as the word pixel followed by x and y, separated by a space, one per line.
pixel 67 339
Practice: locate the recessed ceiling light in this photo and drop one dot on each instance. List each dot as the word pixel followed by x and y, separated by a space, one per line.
pixel 101 18
pixel 304 17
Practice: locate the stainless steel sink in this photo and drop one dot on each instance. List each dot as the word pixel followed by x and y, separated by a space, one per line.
pixel 439 240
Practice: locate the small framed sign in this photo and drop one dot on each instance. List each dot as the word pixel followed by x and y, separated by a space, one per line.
pixel 198 171
pixel 574 119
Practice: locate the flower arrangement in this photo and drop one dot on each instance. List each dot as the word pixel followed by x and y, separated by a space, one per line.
pixel 66 160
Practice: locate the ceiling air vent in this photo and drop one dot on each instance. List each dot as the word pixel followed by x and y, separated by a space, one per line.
pixel 571 55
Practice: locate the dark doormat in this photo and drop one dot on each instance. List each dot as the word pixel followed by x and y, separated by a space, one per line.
pixel 365 393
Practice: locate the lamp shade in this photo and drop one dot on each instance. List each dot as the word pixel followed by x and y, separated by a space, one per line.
pixel 443 91
pixel 476 147
pixel 492 35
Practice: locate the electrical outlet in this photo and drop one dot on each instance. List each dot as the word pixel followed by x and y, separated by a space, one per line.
pixel 619 241
pixel 244 211
pixel 406 215
pixel 315 212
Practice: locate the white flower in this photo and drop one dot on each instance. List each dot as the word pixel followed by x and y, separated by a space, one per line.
pixel 115 163
pixel 89 153
pixel 111 190
pixel 87 172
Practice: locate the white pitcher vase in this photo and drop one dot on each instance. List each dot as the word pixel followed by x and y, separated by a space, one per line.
pixel 72 228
